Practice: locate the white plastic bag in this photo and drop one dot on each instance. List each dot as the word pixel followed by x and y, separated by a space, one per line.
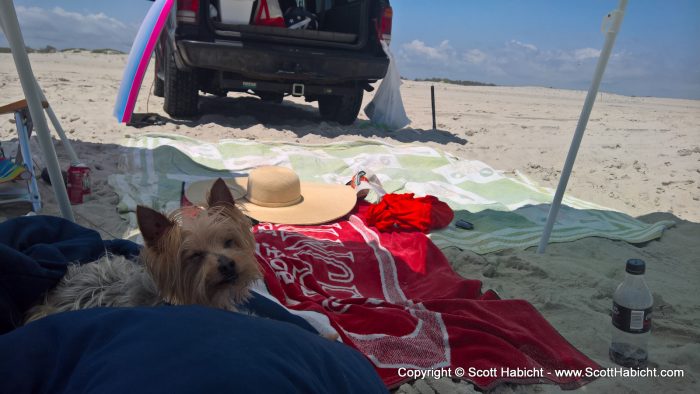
pixel 386 108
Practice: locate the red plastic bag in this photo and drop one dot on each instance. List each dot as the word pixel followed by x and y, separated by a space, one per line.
pixel 269 13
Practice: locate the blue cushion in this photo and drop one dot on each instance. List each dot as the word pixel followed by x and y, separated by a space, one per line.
pixel 34 254
pixel 176 349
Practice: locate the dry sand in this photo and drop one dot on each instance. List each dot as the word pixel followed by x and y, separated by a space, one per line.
pixel 640 155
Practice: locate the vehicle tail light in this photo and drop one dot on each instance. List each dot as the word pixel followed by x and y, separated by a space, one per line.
pixel 187 11
pixel 384 28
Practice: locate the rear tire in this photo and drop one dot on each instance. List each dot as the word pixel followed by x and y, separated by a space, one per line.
pixel 342 109
pixel 180 89
pixel 158 85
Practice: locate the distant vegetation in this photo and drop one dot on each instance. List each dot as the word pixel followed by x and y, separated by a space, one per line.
pixel 107 51
pixel 74 50
pixel 50 49
pixel 47 49
pixel 455 82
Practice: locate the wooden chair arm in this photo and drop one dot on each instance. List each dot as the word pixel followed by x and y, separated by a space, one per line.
pixel 18 105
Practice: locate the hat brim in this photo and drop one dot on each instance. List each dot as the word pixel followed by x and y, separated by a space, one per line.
pixel 197 192
pixel 321 203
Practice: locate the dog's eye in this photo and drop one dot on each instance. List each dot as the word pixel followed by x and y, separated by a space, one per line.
pixel 229 243
pixel 195 257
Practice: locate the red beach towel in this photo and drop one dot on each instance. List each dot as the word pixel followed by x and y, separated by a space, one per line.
pixel 395 298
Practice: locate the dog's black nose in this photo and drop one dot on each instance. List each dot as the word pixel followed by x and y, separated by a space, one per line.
pixel 227 267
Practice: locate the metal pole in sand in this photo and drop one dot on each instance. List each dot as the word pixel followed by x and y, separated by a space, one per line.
pixel 432 100
pixel 615 20
pixel 10 25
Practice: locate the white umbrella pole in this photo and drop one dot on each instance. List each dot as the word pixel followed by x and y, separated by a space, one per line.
pixel 611 34
pixel 10 25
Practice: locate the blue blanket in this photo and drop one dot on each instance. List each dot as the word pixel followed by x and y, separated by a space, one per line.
pixel 166 349
pixel 176 349
pixel 34 254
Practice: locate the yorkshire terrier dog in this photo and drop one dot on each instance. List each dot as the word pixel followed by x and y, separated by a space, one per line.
pixel 194 256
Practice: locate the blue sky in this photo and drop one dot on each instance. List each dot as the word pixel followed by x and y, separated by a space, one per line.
pixel 507 42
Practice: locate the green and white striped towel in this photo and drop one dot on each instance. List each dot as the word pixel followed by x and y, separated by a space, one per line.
pixel 506 212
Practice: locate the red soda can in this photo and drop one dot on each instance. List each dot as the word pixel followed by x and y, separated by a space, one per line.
pixel 78 182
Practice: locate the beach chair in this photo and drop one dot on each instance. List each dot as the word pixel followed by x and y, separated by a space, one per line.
pixel 21 169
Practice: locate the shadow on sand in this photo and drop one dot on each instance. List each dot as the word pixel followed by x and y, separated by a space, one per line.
pixel 300 119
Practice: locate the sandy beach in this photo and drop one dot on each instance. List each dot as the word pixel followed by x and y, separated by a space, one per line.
pixel 640 156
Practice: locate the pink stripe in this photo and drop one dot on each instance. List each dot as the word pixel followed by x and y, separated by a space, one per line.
pixel 143 64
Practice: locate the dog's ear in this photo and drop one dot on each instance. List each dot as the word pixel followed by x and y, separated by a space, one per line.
pixel 220 194
pixel 153 225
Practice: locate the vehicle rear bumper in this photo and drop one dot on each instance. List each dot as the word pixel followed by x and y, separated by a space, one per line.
pixel 283 63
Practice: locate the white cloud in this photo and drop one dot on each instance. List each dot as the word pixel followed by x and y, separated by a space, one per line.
pixel 64 29
pixel 418 48
pixel 586 53
pixel 518 44
pixel 574 56
pixel 513 63
pixel 475 56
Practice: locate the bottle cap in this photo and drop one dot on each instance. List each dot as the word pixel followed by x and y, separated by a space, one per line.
pixel 635 267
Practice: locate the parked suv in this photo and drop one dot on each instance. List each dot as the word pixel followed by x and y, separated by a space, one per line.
pixel 204 46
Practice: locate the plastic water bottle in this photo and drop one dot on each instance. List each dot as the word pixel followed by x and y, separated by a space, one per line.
pixel 631 318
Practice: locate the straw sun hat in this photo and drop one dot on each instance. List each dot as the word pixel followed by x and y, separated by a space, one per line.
pixel 274 194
